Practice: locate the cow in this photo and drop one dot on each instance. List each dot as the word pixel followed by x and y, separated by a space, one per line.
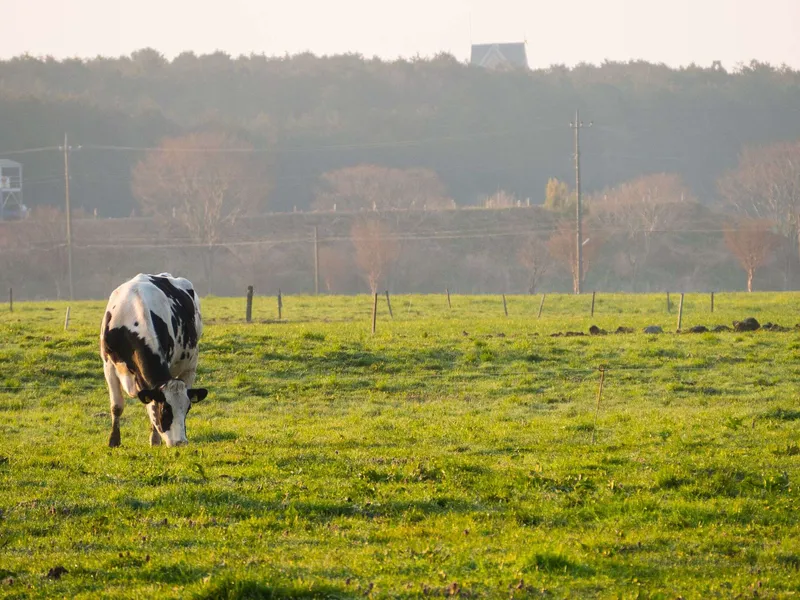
pixel 148 343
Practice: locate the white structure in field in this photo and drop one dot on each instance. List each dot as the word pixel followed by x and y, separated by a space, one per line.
pixel 11 206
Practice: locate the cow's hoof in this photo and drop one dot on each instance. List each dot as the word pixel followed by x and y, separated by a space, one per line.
pixel 114 441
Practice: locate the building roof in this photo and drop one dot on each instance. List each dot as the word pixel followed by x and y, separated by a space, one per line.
pixel 4 162
pixel 493 56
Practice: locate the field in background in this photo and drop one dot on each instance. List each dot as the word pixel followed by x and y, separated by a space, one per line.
pixel 450 454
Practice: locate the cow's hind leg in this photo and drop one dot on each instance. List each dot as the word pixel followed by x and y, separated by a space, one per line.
pixel 117 402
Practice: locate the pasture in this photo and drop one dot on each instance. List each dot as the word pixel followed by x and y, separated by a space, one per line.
pixel 454 453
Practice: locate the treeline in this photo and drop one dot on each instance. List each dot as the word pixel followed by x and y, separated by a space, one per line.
pixel 479 130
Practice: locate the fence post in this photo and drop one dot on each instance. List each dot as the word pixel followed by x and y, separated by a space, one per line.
pixel 505 306
pixel 669 306
pixel 389 304
pixel 680 313
pixel 448 298
pixel 374 311
pixel 66 320
pixel 280 305
pixel 541 305
pixel 712 302
pixel 593 295
pixel 10 299
pixel 249 311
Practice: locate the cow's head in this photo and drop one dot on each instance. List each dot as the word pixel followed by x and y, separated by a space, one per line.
pixel 168 406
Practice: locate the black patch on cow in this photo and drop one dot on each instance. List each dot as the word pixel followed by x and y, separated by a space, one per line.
pixel 166 416
pixel 123 345
pixel 166 344
pixel 183 311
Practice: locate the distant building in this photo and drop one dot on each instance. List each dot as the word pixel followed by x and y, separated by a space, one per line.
pixel 500 56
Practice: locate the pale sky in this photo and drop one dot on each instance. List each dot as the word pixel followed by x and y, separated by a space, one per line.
pixel 676 32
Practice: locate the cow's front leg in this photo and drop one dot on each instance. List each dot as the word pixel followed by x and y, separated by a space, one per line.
pixel 155 437
pixel 117 402
pixel 155 417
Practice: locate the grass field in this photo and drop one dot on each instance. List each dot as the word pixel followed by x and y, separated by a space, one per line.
pixel 453 453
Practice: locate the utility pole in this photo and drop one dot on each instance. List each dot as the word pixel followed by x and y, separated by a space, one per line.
pixel 577 126
pixel 69 217
pixel 67 149
pixel 316 261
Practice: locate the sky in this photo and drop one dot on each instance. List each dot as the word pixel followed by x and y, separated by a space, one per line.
pixel 675 32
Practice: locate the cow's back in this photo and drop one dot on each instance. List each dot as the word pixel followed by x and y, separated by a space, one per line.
pixel 152 325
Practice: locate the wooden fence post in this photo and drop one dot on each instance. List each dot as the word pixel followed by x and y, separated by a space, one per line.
pixel 712 302
pixel 593 295
pixel 680 313
pixel 66 320
pixel 389 304
pixel 10 299
pixel 374 311
pixel 280 305
pixel 505 306
pixel 541 305
pixel 249 311
pixel 448 298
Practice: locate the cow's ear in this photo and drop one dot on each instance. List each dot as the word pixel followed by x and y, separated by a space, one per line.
pixel 148 396
pixel 197 394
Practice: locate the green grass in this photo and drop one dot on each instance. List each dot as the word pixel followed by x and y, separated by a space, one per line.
pixel 449 454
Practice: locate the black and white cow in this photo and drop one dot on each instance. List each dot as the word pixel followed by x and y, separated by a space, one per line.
pixel 148 341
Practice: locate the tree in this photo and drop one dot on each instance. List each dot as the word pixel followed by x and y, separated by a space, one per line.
pixel 48 244
pixel 766 185
pixel 752 242
pixel 205 181
pixel 501 199
pixel 536 260
pixel 558 197
pixel 636 210
pixel 563 248
pixel 372 187
pixel 376 250
pixel 335 266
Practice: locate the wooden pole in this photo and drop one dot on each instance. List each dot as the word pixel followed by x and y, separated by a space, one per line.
pixel 680 313
pixel 712 302
pixel 505 306
pixel 669 306
pixel 249 310
pixel 10 299
pixel 541 305
pixel 374 311
pixel 66 320
pixel 593 295
pixel 389 304
pixel 280 305
pixel 448 298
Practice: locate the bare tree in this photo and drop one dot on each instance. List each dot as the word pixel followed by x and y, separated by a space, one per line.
pixel 766 185
pixel 205 181
pixel 636 210
pixel 372 187
pixel 48 243
pixel 536 260
pixel 375 249
pixel 752 242
pixel 563 248
pixel 334 268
